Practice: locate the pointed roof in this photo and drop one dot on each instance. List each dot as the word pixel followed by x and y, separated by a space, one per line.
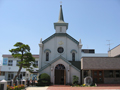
pixel 61 35
pixel 60 57
pixel 61 19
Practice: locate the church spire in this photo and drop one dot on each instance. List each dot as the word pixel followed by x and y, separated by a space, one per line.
pixel 60 26
pixel 61 18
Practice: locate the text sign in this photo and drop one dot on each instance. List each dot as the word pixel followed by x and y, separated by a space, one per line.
pixel 5 61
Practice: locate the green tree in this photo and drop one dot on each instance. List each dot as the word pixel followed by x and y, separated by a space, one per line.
pixel 22 52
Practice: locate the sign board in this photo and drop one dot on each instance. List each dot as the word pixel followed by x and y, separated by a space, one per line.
pixel 33 76
pixel 5 61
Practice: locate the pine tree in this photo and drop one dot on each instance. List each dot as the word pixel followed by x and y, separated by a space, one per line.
pixel 22 52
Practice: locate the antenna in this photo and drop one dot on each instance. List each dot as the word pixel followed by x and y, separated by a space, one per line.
pixel 109 44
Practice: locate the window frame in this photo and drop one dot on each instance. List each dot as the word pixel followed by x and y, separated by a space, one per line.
pixel 10 62
pixel 36 63
pixel 47 56
pixel 109 73
pixel 11 76
pixel 23 74
pixel 60 50
pixel 86 73
pixel 2 73
pixel 17 64
pixel 117 74
pixel 73 56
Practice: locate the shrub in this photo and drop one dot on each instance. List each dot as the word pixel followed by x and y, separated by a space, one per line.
pixel 19 87
pixel 75 80
pixel 44 80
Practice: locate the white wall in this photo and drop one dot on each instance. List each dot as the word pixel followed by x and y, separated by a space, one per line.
pixel 12 69
pixel 6 75
pixel 69 74
pixel 62 27
pixel 74 72
pixel 53 45
pixel 94 54
pixel 2 77
pixel 46 70
pixel 114 52
pixel 15 68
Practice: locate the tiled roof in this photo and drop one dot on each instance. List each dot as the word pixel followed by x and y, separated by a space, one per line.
pixel 100 63
pixel 77 64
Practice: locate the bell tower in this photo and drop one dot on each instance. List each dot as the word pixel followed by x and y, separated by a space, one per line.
pixel 60 26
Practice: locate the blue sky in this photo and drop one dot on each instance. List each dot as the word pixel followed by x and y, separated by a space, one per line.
pixel 94 21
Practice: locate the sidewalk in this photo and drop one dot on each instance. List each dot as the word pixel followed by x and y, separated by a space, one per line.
pixel 36 88
pixel 83 88
pixel 64 87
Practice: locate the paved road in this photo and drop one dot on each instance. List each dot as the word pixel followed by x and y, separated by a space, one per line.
pixel 73 88
pixel 36 88
pixel 83 88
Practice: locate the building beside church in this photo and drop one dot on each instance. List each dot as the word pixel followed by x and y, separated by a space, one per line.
pixel 103 69
pixel 62 57
pixel 10 68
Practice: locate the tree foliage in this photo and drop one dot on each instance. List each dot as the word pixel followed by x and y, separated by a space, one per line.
pixel 22 52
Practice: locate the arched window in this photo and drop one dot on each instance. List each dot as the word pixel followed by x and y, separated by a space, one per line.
pixel 73 56
pixel 60 67
pixel 47 56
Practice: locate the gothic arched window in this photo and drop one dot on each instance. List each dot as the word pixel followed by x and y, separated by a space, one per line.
pixel 73 56
pixel 47 56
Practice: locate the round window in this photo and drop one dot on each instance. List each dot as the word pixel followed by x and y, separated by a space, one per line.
pixel 60 50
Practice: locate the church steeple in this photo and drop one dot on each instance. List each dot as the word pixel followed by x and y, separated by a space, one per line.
pixel 61 26
pixel 61 18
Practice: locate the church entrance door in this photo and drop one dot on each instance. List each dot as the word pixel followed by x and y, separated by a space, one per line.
pixel 60 75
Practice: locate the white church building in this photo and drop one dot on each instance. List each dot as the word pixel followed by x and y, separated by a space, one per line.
pixel 57 52
pixel 60 54
pixel 62 57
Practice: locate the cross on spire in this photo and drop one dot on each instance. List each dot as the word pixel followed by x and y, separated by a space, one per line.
pixel 60 2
